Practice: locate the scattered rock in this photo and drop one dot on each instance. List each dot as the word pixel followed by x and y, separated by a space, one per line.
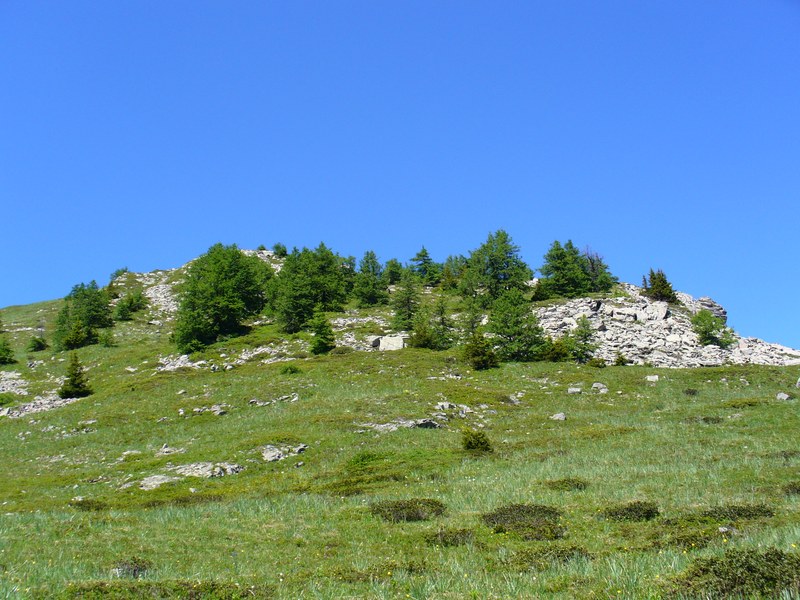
pixel 600 388
pixel 39 404
pixel 574 390
pixel 275 453
pixel 154 481
pixel 402 424
pixel 215 409
pixel 208 469
pixel 165 450
pixel 652 378
pixel 782 396
pixel 293 397
pixel 559 417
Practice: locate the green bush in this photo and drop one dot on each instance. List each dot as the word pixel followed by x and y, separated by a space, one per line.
pixel 711 330
pixel 747 573
pixel 736 512
pixel 37 344
pixel 448 538
pixel 478 353
pixel 6 352
pixel 516 328
pixel 182 589
pixel 323 341
pixel 85 310
pixel 529 521
pixel 473 440
pixel 415 509
pixel 567 484
pixel 657 287
pixel 792 488
pixel 638 510
pixel 547 556
pixel 130 304
pixel 88 504
pixel 597 363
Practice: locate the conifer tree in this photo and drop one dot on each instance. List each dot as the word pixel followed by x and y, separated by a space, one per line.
pixel 392 271
pixel 324 340
pixel 517 329
pixel 478 353
pixel 428 271
pixel 6 352
pixel 85 309
pixel 369 288
pixel 658 287
pixel 580 342
pixel 76 385
pixel 493 268
pixel 405 303
pixel 433 328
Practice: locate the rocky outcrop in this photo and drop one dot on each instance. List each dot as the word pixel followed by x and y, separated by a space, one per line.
pixel 644 331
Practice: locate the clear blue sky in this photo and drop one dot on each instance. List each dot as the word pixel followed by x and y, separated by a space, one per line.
pixel 661 134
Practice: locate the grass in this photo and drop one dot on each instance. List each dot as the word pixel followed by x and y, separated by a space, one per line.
pixel 523 521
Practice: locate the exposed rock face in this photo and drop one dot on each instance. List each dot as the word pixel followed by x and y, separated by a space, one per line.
pixel 646 331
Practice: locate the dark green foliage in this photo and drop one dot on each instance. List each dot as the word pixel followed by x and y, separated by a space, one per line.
pixel 478 353
pixel 222 288
pixel 452 272
pixel 414 509
pixel 118 273
pixel 290 370
pixel 76 384
pixel 341 350
pixel 85 310
pixel 132 568
pixel 657 287
pixel 473 440
pixel 529 521
pixel 711 330
pixel 8 399
pixel 323 340
pixel 567 484
pixel 517 330
pixel 433 328
pixel 580 341
pixel 423 266
pixel 736 512
pixel 182 589
pixel 37 344
pixel 405 303
pixel 130 304
pixel 747 573
pixel 493 268
pixel 88 504
pixel 309 279
pixel 280 250
pixel 792 488
pixel 547 556
pixel 638 510
pixel 392 271
pixel 620 360
pixel 557 350
pixel 6 352
pixel 690 532
pixel 597 363
pixel 448 538
pixel 106 338
pixel 569 273
pixel 690 392
pixel 369 287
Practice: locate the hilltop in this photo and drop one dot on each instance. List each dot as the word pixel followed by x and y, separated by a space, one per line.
pixel 253 468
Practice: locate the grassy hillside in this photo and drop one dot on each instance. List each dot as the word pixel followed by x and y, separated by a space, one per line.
pixel 712 450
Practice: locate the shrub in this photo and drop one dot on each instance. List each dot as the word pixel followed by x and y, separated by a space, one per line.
pixel 76 385
pixel 621 360
pixel 516 327
pixel 711 330
pixel 6 352
pixel 181 589
pixel 85 310
pixel 556 350
pixel 745 573
pixel 736 512
pixel 530 521
pixel 475 441
pixel 130 304
pixel 433 328
pixel 638 510
pixel 280 250
pixel 450 537
pixel 690 392
pixel 548 556
pixel 405 303
pixel 478 353
pixel 88 504
pixel 568 484
pixel 132 568
pixel 342 350
pixel 414 509
pixel 37 344
pixel 658 287
pixel 792 488
pixel 597 363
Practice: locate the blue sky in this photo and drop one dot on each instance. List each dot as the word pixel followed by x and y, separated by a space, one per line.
pixel 661 134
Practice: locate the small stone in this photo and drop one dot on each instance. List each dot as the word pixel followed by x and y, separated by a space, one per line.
pixel 652 378
pixel 574 390
pixel 782 396
pixel 600 388
pixel 797 385
pixel 559 417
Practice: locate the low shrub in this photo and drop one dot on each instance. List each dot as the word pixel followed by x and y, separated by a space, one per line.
pixel 736 512
pixel 132 568
pixel 450 537
pixel 181 589
pixel 414 509
pixel 88 504
pixel 342 350
pixel 476 441
pixel 749 573
pixel 792 488
pixel 545 557
pixel 690 392
pixel 597 363
pixel 567 484
pixel 529 521
pixel 37 344
pixel 621 360
pixel 689 532
pixel 638 510
pixel 290 370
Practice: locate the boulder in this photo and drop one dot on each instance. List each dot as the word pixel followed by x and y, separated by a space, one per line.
pixel 392 342
pixel 559 417
pixel 782 396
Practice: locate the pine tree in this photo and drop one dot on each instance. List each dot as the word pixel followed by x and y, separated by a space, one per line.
pixel 76 385
pixel 517 329
pixel 658 287
pixel 478 353
pixel 433 328
pixel 580 341
pixel 569 273
pixel 324 340
pixel 85 309
pixel 405 303
pixel 428 271
pixel 369 288
pixel 392 271
pixel 6 352
pixel 493 268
